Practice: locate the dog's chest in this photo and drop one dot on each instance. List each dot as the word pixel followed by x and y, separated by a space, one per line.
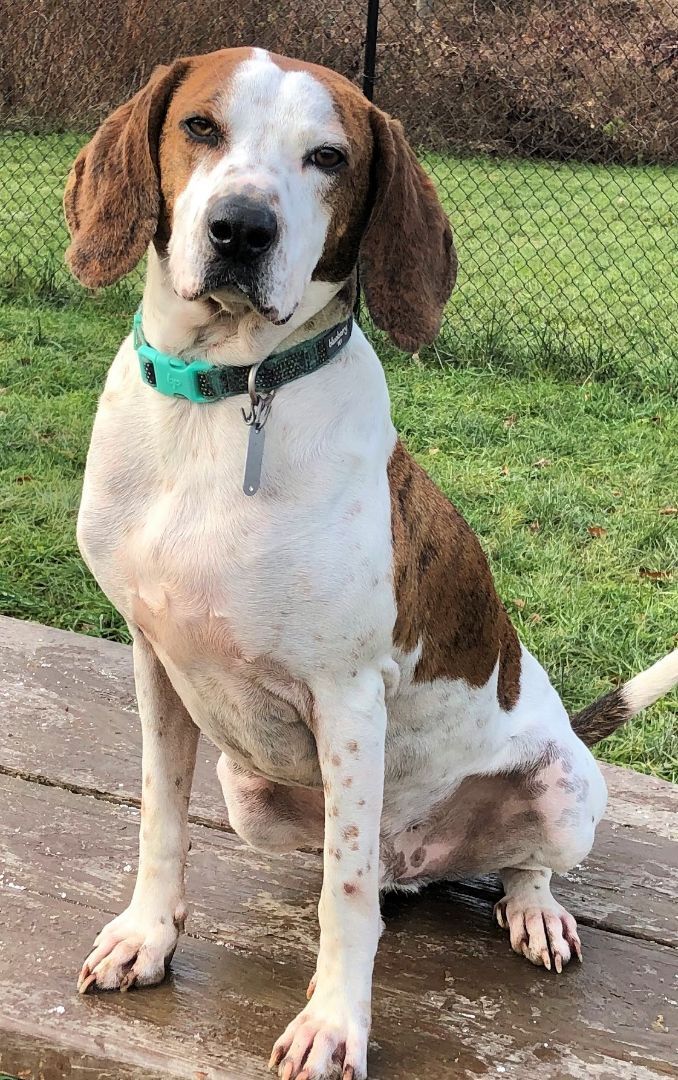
pixel 245 600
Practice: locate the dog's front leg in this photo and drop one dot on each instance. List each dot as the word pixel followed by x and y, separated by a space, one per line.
pixel 137 946
pixel 333 1028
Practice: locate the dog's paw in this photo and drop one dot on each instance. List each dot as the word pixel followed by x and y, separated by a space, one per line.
pixel 546 934
pixel 327 1039
pixel 132 950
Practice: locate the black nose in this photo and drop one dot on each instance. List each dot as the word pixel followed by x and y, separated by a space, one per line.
pixel 241 228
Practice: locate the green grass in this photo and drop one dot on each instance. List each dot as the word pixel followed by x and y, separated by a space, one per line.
pixel 538 434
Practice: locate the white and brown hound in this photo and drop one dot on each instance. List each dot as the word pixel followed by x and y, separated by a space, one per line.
pixel 337 634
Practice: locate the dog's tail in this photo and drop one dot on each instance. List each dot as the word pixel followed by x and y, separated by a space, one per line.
pixel 612 710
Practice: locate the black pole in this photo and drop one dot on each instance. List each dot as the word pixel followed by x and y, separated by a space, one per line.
pixel 370 48
pixel 369 71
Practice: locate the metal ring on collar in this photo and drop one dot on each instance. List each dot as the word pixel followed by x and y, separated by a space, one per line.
pixel 252 383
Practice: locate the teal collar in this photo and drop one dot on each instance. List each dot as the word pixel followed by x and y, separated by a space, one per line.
pixel 200 381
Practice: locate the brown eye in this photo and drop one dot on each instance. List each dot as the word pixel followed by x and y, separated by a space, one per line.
pixel 327 158
pixel 201 129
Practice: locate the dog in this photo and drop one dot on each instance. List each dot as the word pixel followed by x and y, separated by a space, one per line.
pixel 295 585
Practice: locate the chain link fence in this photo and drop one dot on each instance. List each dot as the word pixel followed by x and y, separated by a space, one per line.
pixel 550 128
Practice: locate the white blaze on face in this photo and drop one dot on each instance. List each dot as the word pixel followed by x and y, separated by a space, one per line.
pixel 273 119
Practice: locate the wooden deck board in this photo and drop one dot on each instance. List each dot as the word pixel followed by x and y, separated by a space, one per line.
pixel 450 997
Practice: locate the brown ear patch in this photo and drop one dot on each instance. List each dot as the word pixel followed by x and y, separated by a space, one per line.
pixel 407 258
pixel 445 594
pixel 112 196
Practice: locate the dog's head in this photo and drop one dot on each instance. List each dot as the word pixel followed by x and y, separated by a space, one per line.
pixel 256 175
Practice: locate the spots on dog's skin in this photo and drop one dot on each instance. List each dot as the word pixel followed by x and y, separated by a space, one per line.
pixel 333 811
pixel 566 763
pixel 491 821
pixel 578 786
pixel 178 781
pixel 417 857
pixel 351 832
pixel 393 861
pixel 456 614
pixel 352 747
pixel 336 760
pixel 350 888
pixel 361 802
pixel 347 781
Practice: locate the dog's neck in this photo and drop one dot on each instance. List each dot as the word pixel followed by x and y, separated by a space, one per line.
pixel 233 334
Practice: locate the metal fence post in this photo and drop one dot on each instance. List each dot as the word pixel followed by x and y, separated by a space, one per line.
pixel 369 71
pixel 371 32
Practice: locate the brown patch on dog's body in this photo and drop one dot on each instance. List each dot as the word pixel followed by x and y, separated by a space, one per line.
pixel 112 197
pixel 602 717
pixel 445 594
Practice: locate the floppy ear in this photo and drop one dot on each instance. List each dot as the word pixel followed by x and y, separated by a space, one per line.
pixel 407 259
pixel 112 196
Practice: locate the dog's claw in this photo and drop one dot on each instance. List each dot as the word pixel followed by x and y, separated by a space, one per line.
pixel 276 1057
pixel 546 935
pixel 85 981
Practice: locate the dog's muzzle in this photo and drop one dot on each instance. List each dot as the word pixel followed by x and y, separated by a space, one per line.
pixel 242 230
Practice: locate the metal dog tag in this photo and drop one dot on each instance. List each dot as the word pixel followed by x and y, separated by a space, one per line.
pixel 255 456
pixel 260 407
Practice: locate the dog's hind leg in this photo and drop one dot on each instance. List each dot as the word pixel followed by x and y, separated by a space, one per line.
pixel 539 927
pixel 271 817
pixel 571 804
pixel 526 822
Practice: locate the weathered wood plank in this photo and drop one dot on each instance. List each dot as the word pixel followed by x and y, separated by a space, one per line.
pixel 71 716
pixel 450 997
pixel 24 1055
pixel 71 721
